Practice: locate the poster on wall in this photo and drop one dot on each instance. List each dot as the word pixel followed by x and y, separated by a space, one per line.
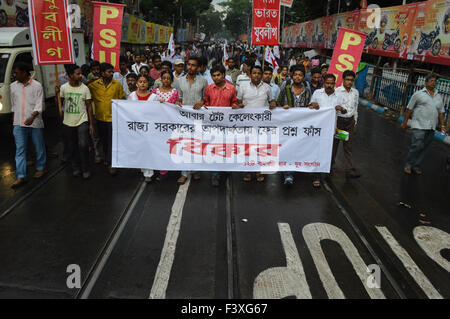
pixel 319 33
pixel 301 38
pixel 430 40
pixel 346 20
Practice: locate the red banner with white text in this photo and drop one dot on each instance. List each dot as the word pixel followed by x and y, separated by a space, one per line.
pixel 107 32
pixel 50 30
pixel 347 53
pixel 266 22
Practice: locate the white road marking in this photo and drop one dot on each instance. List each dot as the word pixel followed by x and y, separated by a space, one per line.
pixel 281 282
pixel 162 275
pixel 313 235
pixel 409 264
pixel 433 240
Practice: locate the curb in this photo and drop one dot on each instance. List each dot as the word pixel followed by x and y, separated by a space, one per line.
pixel 370 105
pixel 438 136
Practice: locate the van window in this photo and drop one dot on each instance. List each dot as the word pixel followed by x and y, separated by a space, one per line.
pixel 4 58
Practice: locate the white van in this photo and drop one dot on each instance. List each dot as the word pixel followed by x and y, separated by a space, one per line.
pixel 15 45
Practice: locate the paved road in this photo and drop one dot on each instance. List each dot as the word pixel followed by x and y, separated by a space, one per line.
pixel 240 240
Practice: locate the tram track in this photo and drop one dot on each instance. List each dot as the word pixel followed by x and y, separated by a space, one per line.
pixel 110 244
pixel 28 194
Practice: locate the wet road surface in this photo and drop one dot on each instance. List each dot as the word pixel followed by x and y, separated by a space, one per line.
pixel 240 240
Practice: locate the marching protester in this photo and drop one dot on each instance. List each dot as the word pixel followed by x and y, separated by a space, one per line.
pixel 155 72
pixel 232 71
pixel 138 64
pixel 95 72
pixel 78 120
pixel 267 78
pixel 347 121
pixel 121 76
pixel 179 69
pixel 191 89
pixel 281 76
pixel 166 92
pixel 26 104
pixel 255 94
pixel 103 91
pixel 131 84
pixel 297 94
pixel 165 66
pixel 316 80
pixel 426 107
pixel 245 76
pixel 327 98
pixel 220 93
pixel 142 94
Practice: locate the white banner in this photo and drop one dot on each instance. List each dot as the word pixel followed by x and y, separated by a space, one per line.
pixel 163 136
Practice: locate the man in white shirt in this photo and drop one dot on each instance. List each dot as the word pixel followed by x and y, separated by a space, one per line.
pixel 121 76
pixel 256 93
pixel 245 76
pixel 327 98
pixel 137 66
pixel 347 121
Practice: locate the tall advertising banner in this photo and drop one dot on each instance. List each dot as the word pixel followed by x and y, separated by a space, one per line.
pixel 51 34
pixel 319 37
pixel 107 32
pixel 266 22
pixel 301 35
pixel 430 40
pixel 347 53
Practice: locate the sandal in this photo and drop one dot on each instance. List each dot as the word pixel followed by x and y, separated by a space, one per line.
pixel 407 170
pixel 259 177
pixel 316 184
pixel 247 177
pixel 417 171
pixel 182 180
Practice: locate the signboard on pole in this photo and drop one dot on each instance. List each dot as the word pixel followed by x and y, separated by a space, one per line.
pixel 107 32
pixel 266 22
pixel 51 34
pixel 347 53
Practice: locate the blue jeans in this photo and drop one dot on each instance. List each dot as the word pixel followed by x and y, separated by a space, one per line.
pixel 420 141
pixel 21 135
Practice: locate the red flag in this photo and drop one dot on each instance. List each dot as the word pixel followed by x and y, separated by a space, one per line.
pixel 347 53
pixel 107 32
pixel 266 22
pixel 50 29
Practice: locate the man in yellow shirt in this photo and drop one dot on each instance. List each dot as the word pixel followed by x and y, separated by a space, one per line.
pixel 103 91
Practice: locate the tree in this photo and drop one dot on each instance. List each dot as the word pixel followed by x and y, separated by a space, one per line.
pixel 211 22
pixel 238 16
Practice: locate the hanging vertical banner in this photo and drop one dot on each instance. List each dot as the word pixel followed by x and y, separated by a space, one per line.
pixel 51 34
pixel 347 53
pixel 266 22
pixel 107 32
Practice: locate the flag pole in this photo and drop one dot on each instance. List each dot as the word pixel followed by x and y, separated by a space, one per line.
pixel 264 58
pixel 58 96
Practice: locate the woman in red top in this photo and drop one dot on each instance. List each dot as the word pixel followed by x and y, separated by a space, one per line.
pixel 142 93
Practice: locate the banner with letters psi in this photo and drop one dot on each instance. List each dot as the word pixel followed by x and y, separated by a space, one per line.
pixel 164 136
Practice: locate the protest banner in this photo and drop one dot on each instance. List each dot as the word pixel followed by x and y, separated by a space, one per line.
pixel 347 53
pixel 50 29
pixel 166 137
pixel 266 22
pixel 107 32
